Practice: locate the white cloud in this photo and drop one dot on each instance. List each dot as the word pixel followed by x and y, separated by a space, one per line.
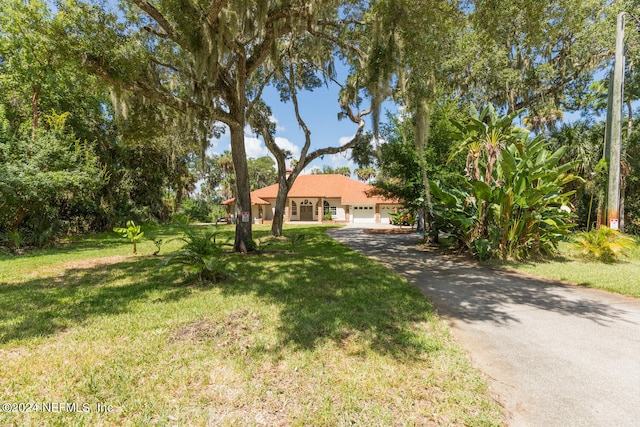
pixel 285 144
pixel 345 140
pixel 342 159
pixel 274 120
pixel 255 147
pixel 380 141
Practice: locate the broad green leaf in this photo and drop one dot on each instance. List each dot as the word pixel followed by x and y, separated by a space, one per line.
pixel 481 190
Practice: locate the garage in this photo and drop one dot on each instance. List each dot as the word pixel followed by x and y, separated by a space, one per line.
pixel 363 213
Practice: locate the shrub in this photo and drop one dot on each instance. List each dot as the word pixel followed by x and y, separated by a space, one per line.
pixel 181 218
pixel 403 217
pixel 603 244
pixel 295 239
pixel 46 178
pixel 201 257
pixel 196 209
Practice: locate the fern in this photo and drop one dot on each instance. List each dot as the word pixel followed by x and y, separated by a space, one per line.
pixel 201 257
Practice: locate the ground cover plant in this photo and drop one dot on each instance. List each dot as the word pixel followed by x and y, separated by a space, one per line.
pixel 569 265
pixel 603 244
pixel 315 336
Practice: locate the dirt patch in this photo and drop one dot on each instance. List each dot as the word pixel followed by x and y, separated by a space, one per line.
pixel 388 230
pixel 236 329
pixel 95 262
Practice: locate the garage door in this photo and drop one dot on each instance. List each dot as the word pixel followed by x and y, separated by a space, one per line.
pixel 384 213
pixel 363 214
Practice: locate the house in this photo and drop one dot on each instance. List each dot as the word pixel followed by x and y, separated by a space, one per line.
pixel 313 196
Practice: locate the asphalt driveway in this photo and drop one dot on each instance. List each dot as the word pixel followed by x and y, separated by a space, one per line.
pixel 555 355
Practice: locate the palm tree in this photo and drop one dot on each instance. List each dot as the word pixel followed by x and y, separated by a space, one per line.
pixel 366 174
pixel 483 136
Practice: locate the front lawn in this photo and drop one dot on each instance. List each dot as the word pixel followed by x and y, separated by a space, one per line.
pixel 322 337
pixel 620 277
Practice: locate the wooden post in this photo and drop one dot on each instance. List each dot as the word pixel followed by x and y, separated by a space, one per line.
pixel 615 129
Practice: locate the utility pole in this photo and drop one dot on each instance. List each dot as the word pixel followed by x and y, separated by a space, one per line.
pixel 615 128
pixel 606 152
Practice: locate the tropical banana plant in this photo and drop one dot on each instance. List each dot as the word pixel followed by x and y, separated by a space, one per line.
pixel 483 135
pixel 131 232
pixel 520 212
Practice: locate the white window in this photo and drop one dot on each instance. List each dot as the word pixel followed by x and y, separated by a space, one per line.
pixel 327 208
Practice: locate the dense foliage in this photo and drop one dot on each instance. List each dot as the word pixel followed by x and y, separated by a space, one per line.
pixel 520 212
pixel 105 113
pixel 69 161
pixel 48 183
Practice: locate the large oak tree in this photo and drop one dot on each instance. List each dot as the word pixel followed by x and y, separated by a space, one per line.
pixel 207 59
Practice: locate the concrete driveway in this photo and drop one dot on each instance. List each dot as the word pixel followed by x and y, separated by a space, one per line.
pixel 555 355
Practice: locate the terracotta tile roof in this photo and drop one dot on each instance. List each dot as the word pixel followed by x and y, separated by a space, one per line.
pixel 255 200
pixel 348 190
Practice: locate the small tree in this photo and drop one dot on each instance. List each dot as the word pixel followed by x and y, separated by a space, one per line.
pixel 131 232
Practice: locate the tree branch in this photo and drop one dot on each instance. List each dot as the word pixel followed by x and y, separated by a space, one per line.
pixel 306 158
pixel 214 10
pixel 152 92
pixel 334 150
pixel 154 13
pixel 294 98
pixel 164 64
pixel 256 98
pixel 263 49
pixel 361 54
pixel 156 33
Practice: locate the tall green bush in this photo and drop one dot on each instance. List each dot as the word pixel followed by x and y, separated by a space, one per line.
pixel 45 177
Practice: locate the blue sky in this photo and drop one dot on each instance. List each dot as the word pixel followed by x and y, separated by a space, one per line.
pixel 319 109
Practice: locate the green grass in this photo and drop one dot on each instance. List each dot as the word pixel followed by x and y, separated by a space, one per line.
pixel 620 277
pixel 321 336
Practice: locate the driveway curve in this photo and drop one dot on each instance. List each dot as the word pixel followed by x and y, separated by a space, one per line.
pixel 555 354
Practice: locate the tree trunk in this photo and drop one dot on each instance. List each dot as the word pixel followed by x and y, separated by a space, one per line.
pixel 284 185
pixel 281 203
pixel 623 189
pixel 243 190
pixel 625 167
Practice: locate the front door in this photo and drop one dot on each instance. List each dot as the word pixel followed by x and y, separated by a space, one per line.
pixel 306 212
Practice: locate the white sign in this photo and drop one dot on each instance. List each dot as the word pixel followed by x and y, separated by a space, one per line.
pixel 614 224
pixel 245 216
